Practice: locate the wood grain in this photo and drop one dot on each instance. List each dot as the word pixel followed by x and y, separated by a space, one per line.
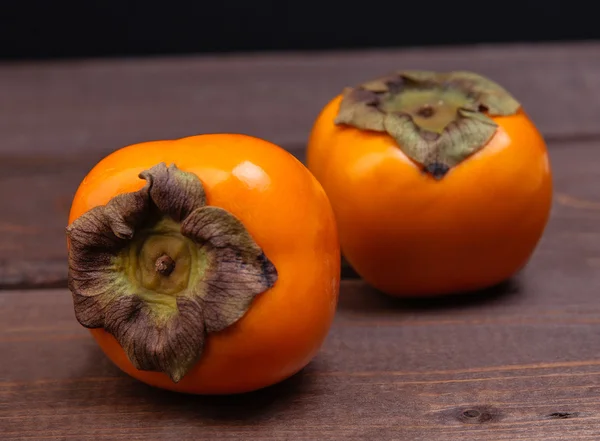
pixel 519 362
pixel 38 192
pixel 58 119
pixel 86 106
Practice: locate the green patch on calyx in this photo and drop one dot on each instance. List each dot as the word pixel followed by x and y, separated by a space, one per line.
pixel 159 270
pixel 437 119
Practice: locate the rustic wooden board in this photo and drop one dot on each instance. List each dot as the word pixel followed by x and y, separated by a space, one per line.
pixel 37 194
pixel 58 119
pixel 84 106
pixel 517 363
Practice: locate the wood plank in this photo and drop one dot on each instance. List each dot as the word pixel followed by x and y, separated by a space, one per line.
pixel 519 363
pixel 100 105
pixel 37 193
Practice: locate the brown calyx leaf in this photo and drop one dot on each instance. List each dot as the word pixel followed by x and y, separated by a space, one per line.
pixel 171 346
pixel 437 119
pixel 223 270
pixel 239 268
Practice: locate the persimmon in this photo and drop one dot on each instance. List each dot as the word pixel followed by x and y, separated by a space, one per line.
pixel 439 181
pixel 208 264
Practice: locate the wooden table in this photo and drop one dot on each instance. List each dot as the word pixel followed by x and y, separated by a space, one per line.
pixel 519 362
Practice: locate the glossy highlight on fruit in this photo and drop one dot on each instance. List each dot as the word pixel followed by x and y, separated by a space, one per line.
pixel 440 182
pixel 208 264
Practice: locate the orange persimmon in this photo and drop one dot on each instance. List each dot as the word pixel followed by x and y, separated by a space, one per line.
pixel 440 182
pixel 208 264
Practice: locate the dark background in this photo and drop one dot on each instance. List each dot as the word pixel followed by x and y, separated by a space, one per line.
pixel 48 29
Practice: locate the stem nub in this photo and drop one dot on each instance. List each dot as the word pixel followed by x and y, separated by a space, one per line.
pixel 164 265
pixel 437 119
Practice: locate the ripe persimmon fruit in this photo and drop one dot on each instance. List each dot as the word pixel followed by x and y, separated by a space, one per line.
pixel 208 264
pixel 440 182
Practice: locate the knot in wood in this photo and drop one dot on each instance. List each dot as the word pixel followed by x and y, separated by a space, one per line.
pixel 476 415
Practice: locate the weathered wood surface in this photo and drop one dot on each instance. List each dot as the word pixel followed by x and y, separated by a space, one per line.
pixel 519 362
pixel 58 119
pixel 83 106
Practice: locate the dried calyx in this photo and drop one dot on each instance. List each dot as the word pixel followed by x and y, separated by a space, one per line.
pixel 159 269
pixel 437 119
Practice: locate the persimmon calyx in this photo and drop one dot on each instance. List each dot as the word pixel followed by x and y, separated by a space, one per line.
pixel 159 270
pixel 438 119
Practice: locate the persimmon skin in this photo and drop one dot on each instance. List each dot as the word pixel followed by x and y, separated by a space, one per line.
pixel 408 234
pixel 289 215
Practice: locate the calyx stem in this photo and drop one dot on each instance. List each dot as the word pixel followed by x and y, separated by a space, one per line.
pixel 159 270
pixel 164 265
pixel 437 119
